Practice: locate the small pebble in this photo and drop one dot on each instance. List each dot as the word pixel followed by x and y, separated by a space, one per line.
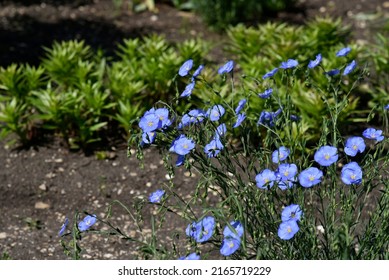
pixel 41 205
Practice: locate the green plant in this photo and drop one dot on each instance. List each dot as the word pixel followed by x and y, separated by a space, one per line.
pixel 222 13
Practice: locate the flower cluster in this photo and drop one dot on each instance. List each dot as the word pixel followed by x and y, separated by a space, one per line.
pixel 153 120
pixel 290 216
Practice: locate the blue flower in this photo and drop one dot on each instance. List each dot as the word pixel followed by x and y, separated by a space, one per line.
pixel 280 155
pixel 266 93
pixel 333 72
pixel 63 227
pixel 226 68
pixel 216 112
pixel 239 120
pixel 270 73
pixel 156 196
pixel 185 68
pixel 87 222
pixel 240 106
pixel 221 130
pixel 287 230
pixel 180 160
pixel 287 171
pixel 197 72
pixel 163 115
pixel 182 145
pixel 351 173
pixel 316 62
pixel 343 52
pixel 349 68
pixel 373 134
pixel 354 145
pixel 227 232
pixel 268 118
pixel 150 122
pixel 386 107
pixel 283 185
pixel 201 231
pixel 291 213
pixel 188 90
pixel 326 155
pixel 194 116
pixel 148 137
pixel 229 246
pixel 192 256
pixel 265 179
pixel 310 177
pixel 213 148
pixel 290 63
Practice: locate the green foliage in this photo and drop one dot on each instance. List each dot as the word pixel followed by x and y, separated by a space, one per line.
pixel 76 94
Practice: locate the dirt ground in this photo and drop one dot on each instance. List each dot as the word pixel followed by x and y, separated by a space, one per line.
pixel 42 185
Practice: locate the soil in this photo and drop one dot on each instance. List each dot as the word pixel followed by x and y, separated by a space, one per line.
pixel 41 186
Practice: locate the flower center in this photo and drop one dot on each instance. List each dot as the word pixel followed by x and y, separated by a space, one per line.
pixel 289 230
pixel 185 146
pixel 327 156
pixel 231 244
pixel 353 176
pixel 311 178
pixel 286 173
pixel 150 123
pixel 355 147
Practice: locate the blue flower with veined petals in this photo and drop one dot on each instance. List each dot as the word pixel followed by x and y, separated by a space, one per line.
pixel 239 120
pixel 280 155
pixel 215 113
pixel 226 68
pixel 374 134
pixel 333 72
pixel 150 122
pixel 265 179
pixel 229 246
pixel 227 232
pixel 351 173
pixel 313 63
pixel 287 171
pixel 156 196
pixel 87 222
pixel 163 115
pixel 354 145
pixel 349 68
pixel 266 93
pixel 287 230
pixel 291 213
pixel 182 145
pixel 240 106
pixel 270 73
pixel 63 227
pixel 326 155
pixel 185 68
pixel 343 52
pixel 290 63
pixel 192 256
pixel 310 177
pixel 188 90
pixel 213 148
